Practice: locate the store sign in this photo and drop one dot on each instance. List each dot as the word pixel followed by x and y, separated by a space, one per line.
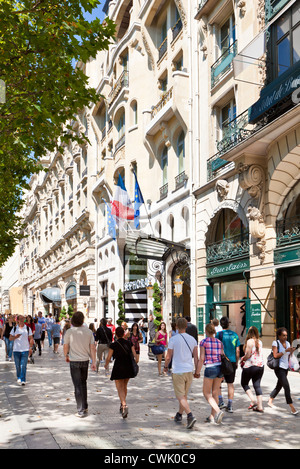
pixel 200 320
pixel 235 267
pixel 287 255
pixel 255 317
pixel 272 94
pixel 84 290
pixel 137 284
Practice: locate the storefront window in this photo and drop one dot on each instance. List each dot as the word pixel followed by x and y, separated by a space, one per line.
pixel 229 225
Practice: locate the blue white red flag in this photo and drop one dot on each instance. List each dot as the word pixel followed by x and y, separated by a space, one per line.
pixel 121 207
pixel 138 201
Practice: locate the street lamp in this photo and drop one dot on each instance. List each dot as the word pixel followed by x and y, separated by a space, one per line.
pixel 178 285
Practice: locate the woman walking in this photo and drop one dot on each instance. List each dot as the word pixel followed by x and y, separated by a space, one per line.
pixel 253 368
pixel 8 325
pixel 136 338
pixel 122 370
pixel 161 338
pixel 282 349
pixel 211 350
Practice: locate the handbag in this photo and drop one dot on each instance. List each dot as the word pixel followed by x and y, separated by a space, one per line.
pixel 134 364
pixel 272 362
pixel 158 349
pixel 226 365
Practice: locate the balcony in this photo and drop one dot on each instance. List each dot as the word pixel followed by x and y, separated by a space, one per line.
pixel 204 7
pixel 288 231
pixel 234 132
pixel 223 65
pixel 121 83
pixel 119 143
pixel 162 49
pixel 180 180
pixel 176 29
pixel 228 249
pixel 163 191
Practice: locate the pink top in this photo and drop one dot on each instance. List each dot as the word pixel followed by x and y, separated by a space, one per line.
pixel 163 338
pixel 256 358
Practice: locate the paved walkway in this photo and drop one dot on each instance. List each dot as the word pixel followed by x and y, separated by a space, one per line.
pixel 41 414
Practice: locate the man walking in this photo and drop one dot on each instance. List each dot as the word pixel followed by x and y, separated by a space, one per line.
pixel 191 329
pixel 23 342
pixel 79 347
pixel 183 351
pixel 231 344
pixel 49 323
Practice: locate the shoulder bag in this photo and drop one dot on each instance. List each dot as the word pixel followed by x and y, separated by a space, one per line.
pixel 273 362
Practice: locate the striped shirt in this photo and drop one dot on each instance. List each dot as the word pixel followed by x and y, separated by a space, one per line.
pixel 213 350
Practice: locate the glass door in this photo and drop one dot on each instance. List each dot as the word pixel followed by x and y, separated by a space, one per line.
pixel 294 309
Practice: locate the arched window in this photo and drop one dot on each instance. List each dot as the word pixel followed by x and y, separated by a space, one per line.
pixel 180 152
pixel 121 125
pixel 229 225
pixel 164 165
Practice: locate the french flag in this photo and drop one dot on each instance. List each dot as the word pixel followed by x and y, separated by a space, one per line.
pixel 121 206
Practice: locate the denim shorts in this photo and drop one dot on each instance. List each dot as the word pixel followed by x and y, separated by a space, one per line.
pixel 213 372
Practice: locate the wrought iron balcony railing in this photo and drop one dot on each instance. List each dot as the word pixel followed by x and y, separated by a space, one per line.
pixel 272 7
pixel 162 48
pixel 163 191
pixel 227 249
pixel 180 180
pixel 223 64
pixel 120 143
pixel 122 82
pixel 176 29
pixel 162 102
pixel 288 231
pixel 233 133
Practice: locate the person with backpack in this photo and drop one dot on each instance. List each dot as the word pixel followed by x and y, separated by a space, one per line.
pixel 23 342
pixel 231 345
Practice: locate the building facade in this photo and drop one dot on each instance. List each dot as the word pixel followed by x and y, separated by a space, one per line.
pixel 247 245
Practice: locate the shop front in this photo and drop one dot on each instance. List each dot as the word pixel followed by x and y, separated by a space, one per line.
pixel 71 295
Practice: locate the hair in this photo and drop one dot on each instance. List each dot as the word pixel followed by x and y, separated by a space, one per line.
pixel 252 334
pixel 181 323
pixel 77 319
pixel 103 322
pixel 159 327
pixel 120 332
pixel 280 331
pixel 125 323
pixel 215 322
pixel 137 328
pixel 210 329
pixel 188 318
pixel 92 327
pixel 224 321
pixel 173 326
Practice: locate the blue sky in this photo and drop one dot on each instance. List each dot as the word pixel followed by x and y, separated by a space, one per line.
pixel 97 13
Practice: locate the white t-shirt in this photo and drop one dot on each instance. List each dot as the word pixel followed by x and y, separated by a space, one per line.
pixel 79 339
pixel 284 360
pixel 21 344
pixel 182 361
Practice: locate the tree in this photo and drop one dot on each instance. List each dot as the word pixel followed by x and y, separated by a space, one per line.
pixel 157 305
pixel 40 41
pixel 121 308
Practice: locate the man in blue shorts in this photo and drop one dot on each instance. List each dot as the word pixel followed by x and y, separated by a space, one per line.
pixel 231 344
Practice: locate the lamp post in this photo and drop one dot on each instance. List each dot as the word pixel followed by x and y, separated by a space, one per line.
pixel 150 291
pixel 178 286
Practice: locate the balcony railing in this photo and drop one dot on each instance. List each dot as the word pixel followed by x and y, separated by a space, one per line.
pixel 176 29
pixel 122 82
pixel 223 64
pixel 272 7
pixel 162 48
pixel 120 143
pixel 162 102
pixel 180 180
pixel 288 231
pixel 163 191
pixel 234 132
pixel 227 249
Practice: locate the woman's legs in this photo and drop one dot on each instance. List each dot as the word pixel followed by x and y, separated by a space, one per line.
pixel 159 359
pixel 211 391
pixel 121 385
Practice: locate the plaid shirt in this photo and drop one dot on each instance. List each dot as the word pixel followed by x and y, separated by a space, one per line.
pixel 213 350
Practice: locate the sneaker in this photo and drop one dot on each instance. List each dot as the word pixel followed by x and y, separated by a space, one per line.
pixel 19 382
pixel 219 417
pixel 222 405
pixel 23 383
pixel 229 408
pixel 81 414
pixel 178 417
pixel 191 422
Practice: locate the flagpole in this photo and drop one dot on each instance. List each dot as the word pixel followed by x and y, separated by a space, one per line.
pixel 149 219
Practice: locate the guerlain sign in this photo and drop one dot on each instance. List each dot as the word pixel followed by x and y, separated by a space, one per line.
pixel 228 268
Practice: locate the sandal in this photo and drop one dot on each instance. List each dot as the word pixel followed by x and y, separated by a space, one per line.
pixel 124 411
pixel 252 406
pixel 256 409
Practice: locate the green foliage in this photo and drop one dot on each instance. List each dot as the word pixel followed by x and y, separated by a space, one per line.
pixel 66 312
pixel 157 305
pixel 40 41
pixel 121 308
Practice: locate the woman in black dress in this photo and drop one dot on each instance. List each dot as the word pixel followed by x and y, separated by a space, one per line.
pixel 122 370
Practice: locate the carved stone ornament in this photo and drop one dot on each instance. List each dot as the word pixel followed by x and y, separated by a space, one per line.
pixel 222 188
pixel 252 179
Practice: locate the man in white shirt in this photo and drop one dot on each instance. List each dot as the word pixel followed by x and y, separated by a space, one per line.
pixel 183 351
pixel 23 341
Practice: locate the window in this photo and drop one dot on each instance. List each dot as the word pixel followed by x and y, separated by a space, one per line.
pixel 121 125
pixel 227 114
pixel 227 34
pixel 180 152
pixel 229 225
pixel 286 40
pixel 164 165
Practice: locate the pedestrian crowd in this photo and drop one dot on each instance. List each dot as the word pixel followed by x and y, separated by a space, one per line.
pixel 219 354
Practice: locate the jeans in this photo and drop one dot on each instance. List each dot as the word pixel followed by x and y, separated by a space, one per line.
pixel 144 335
pixel 213 372
pixel 282 382
pixel 9 347
pixel 79 374
pixel 49 338
pixel 21 359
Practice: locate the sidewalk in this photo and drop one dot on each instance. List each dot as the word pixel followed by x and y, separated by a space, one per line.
pixel 41 415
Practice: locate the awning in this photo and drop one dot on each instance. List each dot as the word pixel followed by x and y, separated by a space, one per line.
pixel 148 247
pixel 51 295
